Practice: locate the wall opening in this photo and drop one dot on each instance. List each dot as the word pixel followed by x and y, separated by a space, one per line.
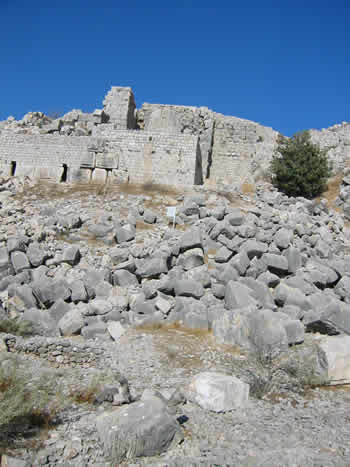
pixel 13 168
pixel 64 174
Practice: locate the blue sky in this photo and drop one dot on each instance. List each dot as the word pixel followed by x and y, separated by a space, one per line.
pixel 284 64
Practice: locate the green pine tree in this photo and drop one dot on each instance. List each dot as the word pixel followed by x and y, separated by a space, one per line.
pixel 299 167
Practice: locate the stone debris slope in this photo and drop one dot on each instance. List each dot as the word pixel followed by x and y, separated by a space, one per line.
pixel 245 298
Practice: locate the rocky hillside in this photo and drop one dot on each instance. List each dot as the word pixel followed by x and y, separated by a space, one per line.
pixel 204 344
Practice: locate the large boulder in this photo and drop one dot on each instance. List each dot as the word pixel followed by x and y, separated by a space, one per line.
pixel 71 323
pixel 188 288
pixel 321 360
pixel 143 428
pixel 191 239
pixel 238 295
pixel 217 392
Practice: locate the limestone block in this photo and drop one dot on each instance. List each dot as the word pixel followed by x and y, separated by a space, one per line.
pixel 99 176
pixel 107 161
pixel 217 392
pixel 115 329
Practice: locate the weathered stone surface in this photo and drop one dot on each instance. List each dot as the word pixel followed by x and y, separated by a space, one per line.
pixel 149 216
pixel 235 217
pixel 276 264
pixel 191 239
pixel 217 392
pixel 191 258
pixel 124 278
pixel 188 288
pixel 47 291
pixel 71 255
pixel 115 330
pixel 151 268
pixel 337 354
pixel 143 428
pixel 254 248
pixel 71 323
pixel 125 234
pixel 94 330
pixel 19 261
pixel 238 295
pixel 36 255
pixel 267 334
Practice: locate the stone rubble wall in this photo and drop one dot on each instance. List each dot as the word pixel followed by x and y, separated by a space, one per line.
pixel 57 351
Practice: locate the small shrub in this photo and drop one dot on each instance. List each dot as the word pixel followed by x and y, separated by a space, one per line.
pixel 299 167
pixel 20 397
pixel 17 327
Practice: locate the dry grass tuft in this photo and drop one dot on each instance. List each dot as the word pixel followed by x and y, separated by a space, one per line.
pixel 248 188
pixel 332 191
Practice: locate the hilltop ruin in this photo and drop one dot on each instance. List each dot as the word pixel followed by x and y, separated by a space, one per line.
pixel 171 145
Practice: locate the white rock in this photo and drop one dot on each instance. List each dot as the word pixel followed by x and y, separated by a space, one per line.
pixel 115 329
pixel 337 354
pixel 217 392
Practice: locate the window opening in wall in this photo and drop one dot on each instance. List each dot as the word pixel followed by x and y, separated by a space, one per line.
pixel 13 168
pixel 64 173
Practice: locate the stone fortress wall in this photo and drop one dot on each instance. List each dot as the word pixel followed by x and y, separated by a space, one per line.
pixel 172 145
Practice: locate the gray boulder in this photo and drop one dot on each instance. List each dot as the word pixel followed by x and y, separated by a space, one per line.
pixel 48 290
pixel 94 330
pixel 240 262
pixel 276 264
pixel 17 244
pixel 254 248
pixel 232 327
pixel 151 268
pixel 140 429
pixel 191 259
pixel 71 323
pixel 79 293
pixel 124 278
pixel 188 288
pixel 238 295
pixel 283 238
pixel 19 261
pixel 149 217
pixel 223 255
pixel 4 262
pixel 71 255
pixel 125 234
pixel 36 255
pixel 191 239
pixel 235 217
pixel 267 334
pixel 293 256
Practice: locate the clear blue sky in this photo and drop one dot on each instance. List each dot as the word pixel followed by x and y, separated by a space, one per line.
pixel 284 64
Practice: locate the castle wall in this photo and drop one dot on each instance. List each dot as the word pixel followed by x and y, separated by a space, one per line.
pixel 44 156
pixel 336 141
pixel 241 151
pixel 116 155
pixel 119 105
pixel 233 150
pixel 167 144
pixel 151 157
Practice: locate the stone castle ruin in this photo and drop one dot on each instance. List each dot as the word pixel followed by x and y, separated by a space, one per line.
pixel 157 144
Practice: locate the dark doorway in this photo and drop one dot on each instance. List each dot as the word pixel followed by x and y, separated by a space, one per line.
pixel 64 174
pixel 13 168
